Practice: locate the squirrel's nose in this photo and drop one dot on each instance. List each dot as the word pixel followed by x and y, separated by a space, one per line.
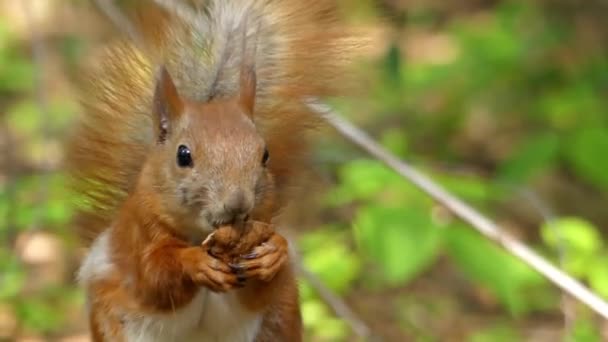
pixel 237 206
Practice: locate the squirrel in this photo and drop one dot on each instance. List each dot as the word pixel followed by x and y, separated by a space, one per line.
pixel 189 145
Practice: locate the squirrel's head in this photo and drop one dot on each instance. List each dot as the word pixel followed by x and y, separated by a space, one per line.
pixel 209 162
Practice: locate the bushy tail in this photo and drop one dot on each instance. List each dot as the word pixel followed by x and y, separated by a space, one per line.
pixel 301 51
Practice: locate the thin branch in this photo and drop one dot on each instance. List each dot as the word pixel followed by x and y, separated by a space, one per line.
pixel 547 215
pixel 484 225
pixel 335 302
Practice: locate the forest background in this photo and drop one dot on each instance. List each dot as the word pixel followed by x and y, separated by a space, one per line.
pixel 503 102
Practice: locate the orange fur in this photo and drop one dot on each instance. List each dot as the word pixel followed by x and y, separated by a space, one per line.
pixel 146 214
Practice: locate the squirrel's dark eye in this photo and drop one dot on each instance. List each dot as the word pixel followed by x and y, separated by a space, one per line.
pixel 184 157
pixel 265 157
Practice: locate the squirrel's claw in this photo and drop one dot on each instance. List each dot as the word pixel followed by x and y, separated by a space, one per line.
pixel 265 261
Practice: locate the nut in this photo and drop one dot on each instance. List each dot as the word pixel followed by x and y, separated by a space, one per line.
pixel 230 242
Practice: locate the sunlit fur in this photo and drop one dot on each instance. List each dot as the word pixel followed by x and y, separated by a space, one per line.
pixel 149 209
pixel 301 51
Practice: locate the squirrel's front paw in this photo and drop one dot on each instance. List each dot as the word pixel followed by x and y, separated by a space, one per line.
pixel 265 261
pixel 208 271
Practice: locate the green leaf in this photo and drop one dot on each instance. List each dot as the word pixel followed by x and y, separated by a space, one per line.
pixel 598 275
pixel 313 311
pixel 579 239
pixel 472 188
pixel 40 315
pixel 587 155
pixel 316 317
pixel 530 158
pixel 16 74
pixel 584 331
pixel 515 284
pixel 575 232
pixel 12 278
pixel 24 117
pixel 402 242
pixel 363 180
pixel 396 141
pixel 326 253
pixel 496 333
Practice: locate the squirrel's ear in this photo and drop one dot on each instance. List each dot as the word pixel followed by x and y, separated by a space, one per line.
pixel 168 105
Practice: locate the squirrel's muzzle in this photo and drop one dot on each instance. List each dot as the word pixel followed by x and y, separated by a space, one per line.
pixel 234 208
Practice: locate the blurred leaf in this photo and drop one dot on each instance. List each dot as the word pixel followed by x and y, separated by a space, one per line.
pixel 24 117
pixel 363 180
pixel 584 331
pixel 402 241
pixel 471 188
pixel 313 311
pixel 316 317
pixel 575 104
pixel 16 71
pixel 598 275
pixel 39 315
pixel 392 66
pixel 327 255
pixel 395 140
pixel 517 286
pixel 12 277
pixel 535 154
pixel 496 333
pixel 58 211
pixel 579 239
pixel 586 155
pixel 332 329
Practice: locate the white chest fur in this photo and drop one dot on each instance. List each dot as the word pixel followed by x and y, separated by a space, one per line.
pixel 208 317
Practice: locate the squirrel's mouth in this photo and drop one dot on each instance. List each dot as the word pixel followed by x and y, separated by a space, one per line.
pixel 234 220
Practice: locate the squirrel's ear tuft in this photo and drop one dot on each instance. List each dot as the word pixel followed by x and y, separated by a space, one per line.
pixel 168 105
pixel 248 80
pixel 247 91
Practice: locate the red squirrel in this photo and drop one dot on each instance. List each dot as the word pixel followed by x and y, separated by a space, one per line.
pixel 187 149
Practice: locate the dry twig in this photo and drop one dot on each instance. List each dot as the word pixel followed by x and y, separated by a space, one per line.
pixel 547 215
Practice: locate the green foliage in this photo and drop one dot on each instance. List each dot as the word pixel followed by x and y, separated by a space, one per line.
pixel 326 254
pixel 586 155
pixel 364 180
pixel 317 318
pixel 584 252
pixel 496 333
pixel 13 277
pixel 16 71
pixel 513 91
pixel 402 242
pixel 597 274
pixel 532 157
pixel 38 315
pixel 577 239
pixel 583 331
pixel 517 286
